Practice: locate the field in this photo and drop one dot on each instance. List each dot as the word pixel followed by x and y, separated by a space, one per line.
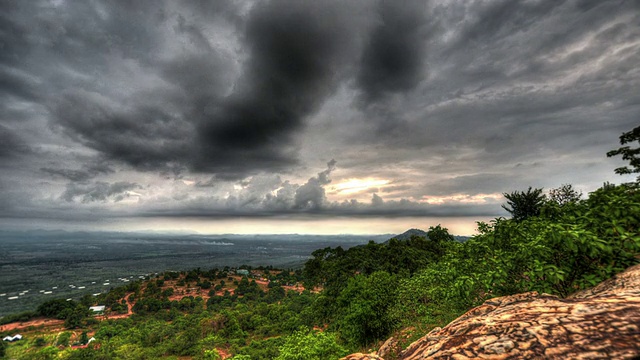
pixel 42 265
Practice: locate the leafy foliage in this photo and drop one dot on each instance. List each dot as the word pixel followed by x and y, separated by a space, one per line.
pixel 305 345
pixel 577 247
pixel 363 315
pixel 19 317
pixel 522 205
pixel 73 313
pixel 628 153
pixel 565 195
pixel 358 283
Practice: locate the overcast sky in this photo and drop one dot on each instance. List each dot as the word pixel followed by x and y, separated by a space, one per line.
pixel 306 116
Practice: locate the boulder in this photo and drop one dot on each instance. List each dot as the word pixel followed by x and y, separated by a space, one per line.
pixel 361 356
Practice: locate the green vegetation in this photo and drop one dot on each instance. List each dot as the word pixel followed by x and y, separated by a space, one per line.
pixel 305 345
pixel 524 204
pixel 19 317
pixel 565 249
pixel 357 297
pixel 628 153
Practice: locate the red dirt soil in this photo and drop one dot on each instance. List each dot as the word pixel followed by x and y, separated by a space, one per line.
pixel 52 324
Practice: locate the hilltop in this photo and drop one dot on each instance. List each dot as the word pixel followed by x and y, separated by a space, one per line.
pixel 409 233
pixel 421 233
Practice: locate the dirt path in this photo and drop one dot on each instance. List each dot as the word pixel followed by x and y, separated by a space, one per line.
pixel 49 323
pixel 223 354
pixel 121 316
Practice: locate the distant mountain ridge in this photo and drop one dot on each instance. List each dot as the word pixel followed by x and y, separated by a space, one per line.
pixel 418 232
pixel 409 233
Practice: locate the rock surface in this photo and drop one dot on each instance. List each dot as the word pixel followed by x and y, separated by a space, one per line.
pixel 361 356
pixel 598 323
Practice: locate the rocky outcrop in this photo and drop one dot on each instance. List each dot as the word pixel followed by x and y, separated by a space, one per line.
pixel 361 356
pixel 599 323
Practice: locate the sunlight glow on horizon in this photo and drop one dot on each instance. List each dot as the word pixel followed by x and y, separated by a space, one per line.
pixel 303 226
pixel 333 226
pixel 463 198
pixel 354 185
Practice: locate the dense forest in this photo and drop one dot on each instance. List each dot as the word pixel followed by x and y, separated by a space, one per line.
pixel 555 242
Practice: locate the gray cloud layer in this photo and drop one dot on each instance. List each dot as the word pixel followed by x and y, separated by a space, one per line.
pixel 226 108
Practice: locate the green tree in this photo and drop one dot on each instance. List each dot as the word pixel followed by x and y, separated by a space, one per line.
pixel 305 345
pixel 63 338
pixel 364 308
pixel 524 204
pixel 628 153
pixel 46 353
pixel 73 318
pixel 56 308
pixel 211 355
pixel 84 338
pixel 564 195
pixel 438 234
pixel 87 300
pixel 3 349
pixel 40 342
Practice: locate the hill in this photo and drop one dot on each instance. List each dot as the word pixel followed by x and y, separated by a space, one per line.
pixel 409 233
pixel 418 232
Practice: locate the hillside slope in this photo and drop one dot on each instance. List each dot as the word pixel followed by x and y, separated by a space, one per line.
pixel 598 323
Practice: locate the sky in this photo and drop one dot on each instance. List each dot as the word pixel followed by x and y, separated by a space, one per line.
pixel 322 117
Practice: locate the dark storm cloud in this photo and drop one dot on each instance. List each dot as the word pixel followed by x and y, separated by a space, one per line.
pixel 515 74
pixel 393 59
pixel 18 85
pixel 484 183
pixel 296 52
pixel 70 174
pixel 499 18
pixel 11 144
pixel 226 100
pixel 208 113
pixel 86 173
pixel 145 137
pixel 13 35
pixel 98 191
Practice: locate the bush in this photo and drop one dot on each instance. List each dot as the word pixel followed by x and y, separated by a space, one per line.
pixel 39 342
pixel 63 339
pixel 305 345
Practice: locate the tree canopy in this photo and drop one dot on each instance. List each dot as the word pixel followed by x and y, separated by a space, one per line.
pixel 524 204
pixel 628 153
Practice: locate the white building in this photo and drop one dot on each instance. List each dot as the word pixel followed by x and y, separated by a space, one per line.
pixel 97 309
pixel 12 338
